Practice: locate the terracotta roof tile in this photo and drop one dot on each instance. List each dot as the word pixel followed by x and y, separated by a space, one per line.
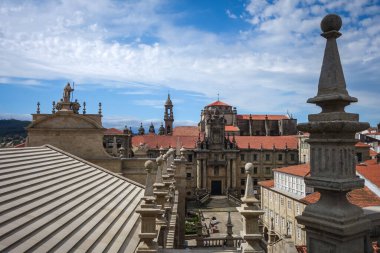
pixel 21 145
pixel 231 129
pixel 267 183
pixel 361 197
pixel 370 169
pixel 165 141
pixel 301 170
pixel 267 142
pixel 361 145
pixel 111 131
pixel 186 131
pixel 372 152
pixel 262 116
pixel 218 103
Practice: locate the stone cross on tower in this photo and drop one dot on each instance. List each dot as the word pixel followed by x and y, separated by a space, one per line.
pixel 333 224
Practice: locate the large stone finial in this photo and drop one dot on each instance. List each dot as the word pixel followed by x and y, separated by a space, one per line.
pixel 249 194
pixel 84 107
pixel 333 223
pixel 159 161
pixel 332 93
pixel 53 109
pixel 149 166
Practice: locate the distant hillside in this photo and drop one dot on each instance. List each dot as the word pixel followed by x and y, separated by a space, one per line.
pixel 12 127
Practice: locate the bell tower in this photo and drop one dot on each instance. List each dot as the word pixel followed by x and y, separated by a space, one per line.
pixel 168 116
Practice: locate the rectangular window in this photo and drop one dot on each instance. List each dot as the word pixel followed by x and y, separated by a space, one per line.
pixel 242 182
pixel 289 225
pixel 282 223
pixel 242 170
pixel 299 233
pixel 292 157
pixel 267 170
pixel 190 158
pixel 282 200
pixel 267 157
pixel 242 157
pixel 289 204
pixel 255 157
pixel 255 181
pixel 276 219
pixel 188 176
pixel 254 170
pixel 280 157
pixel 298 209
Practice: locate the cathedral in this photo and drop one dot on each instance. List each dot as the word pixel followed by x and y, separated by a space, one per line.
pixel 218 148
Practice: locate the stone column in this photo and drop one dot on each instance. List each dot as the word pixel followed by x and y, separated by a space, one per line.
pixel 333 224
pixel 148 212
pixel 180 178
pixel 204 174
pixel 199 173
pixel 234 173
pixel 251 213
pixel 228 174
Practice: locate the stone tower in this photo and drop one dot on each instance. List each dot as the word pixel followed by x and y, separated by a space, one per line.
pixel 168 116
pixel 215 132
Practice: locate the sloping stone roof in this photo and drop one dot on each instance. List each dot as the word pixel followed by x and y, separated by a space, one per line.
pixel 112 131
pixel 370 170
pixel 53 201
pixel 231 129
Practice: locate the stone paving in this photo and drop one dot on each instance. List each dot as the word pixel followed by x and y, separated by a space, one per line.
pixel 218 207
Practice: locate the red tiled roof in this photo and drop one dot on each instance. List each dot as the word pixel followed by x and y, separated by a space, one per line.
pixel 267 183
pixel 231 129
pixel 267 142
pixel 261 116
pixel 21 145
pixel 370 169
pixel 111 131
pixel 361 197
pixel 372 152
pixel 301 248
pixel 165 141
pixel 186 131
pixel 301 170
pixel 361 145
pixel 218 103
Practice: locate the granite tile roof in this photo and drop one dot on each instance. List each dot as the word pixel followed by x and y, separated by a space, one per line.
pixel 54 201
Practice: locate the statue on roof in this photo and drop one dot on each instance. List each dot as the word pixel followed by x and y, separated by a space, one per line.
pixel 67 93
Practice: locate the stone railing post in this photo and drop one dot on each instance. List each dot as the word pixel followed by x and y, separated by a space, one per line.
pixel 148 212
pixel 229 237
pixel 333 224
pixel 251 213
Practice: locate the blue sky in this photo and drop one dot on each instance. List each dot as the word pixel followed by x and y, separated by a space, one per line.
pixel 263 57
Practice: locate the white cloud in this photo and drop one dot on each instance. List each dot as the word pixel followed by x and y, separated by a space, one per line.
pixel 129 44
